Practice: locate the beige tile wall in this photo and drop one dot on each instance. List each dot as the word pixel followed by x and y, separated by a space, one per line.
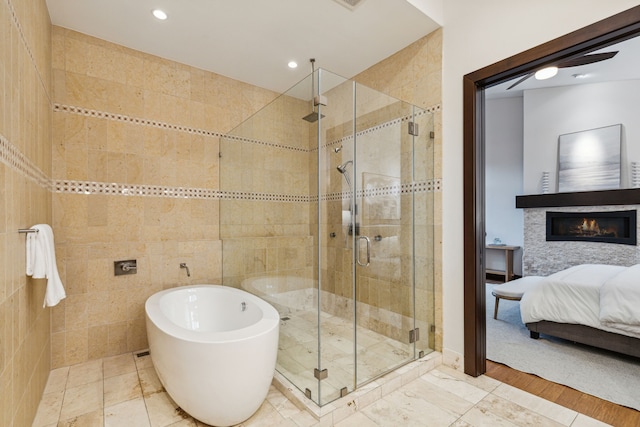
pixel 129 118
pixel 267 237
pixel 25 154
pixel 153 122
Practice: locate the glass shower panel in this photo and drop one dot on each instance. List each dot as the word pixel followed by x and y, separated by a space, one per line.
pixel 384 242
pixel 266 182
pixel 336 271
pixel 326 212
pixel 424 194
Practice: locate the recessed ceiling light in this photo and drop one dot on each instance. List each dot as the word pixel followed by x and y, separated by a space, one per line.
pixel 160 14
pixel 546 73
pixel 292 64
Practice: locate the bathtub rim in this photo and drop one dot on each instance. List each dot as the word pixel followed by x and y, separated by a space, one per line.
pixel 270 318
pixel 247 284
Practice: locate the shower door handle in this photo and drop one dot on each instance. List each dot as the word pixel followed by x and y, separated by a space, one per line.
pixel 366 239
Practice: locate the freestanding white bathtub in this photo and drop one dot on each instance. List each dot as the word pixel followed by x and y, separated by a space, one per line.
pixel 214 349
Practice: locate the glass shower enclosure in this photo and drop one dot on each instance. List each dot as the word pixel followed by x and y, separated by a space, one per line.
pixel 326 212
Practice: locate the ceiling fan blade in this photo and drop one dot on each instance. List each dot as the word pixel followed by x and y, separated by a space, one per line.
pixel 587 59
pixel 520 81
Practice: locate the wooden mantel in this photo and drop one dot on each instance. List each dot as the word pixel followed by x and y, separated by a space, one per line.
pixel 627 196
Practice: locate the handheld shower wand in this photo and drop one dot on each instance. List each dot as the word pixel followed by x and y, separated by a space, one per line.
pixel 343 169
pixel 352 207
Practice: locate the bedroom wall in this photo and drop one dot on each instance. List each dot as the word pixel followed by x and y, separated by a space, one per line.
pixel 503 163
pixel 551 112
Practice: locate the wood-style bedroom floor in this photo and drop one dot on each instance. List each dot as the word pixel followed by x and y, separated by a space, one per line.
pixel 605 411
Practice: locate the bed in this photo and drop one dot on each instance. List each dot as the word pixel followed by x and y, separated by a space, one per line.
pixel 593 304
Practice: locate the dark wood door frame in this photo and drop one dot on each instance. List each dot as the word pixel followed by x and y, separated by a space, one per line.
pixel 601 34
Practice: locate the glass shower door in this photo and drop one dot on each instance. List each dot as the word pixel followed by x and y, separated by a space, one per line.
pixel 383 235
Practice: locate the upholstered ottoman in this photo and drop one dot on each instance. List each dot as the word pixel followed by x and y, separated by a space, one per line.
pixel 513 290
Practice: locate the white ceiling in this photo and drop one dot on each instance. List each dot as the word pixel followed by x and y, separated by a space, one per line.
pixel 624 66
pixel 253 40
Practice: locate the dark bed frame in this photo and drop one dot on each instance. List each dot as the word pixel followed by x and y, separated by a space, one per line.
pixel 587 335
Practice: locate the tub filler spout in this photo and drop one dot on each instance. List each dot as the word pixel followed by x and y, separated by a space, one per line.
pixel 184 265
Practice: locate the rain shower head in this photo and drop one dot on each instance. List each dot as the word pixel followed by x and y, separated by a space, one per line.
pixel 312 117
pixel 343 167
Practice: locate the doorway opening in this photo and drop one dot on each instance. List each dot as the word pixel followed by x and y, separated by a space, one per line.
pixel 604 33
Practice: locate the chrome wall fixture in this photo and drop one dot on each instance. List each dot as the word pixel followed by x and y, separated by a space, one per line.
pixel 121 268
pixel 184 265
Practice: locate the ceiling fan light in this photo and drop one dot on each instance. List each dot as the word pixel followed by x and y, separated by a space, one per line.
pixel 546 73
pixel 159 14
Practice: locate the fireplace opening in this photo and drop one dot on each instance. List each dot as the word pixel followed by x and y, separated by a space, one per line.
pixel 607 227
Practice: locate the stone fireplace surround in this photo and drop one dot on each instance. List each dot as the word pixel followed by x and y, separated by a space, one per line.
pixel 542 257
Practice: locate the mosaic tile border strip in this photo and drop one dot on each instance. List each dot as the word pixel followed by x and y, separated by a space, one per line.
pixel 429 186
pixel 119 189
pixel 12 157
pixel 88 112
pixel 264 197
pixel 16 22
pixel 23 39
pixel 399 120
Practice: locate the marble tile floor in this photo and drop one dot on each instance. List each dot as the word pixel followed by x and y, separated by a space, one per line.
pixel 298 353
pixel 124 391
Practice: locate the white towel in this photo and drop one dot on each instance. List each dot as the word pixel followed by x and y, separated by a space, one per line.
pixel 41 263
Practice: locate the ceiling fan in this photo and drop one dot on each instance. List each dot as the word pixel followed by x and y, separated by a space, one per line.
pixel 552 70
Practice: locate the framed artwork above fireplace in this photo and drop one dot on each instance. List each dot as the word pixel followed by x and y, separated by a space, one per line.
pixel 590 160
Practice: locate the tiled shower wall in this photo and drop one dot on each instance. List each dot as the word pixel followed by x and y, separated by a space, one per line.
pixel 265 226
pixel 135 169
pixel 25 200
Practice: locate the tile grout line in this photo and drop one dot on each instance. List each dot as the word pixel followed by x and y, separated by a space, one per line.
pixel 64 394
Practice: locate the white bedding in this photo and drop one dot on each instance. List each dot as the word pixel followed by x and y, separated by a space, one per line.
pixel 574 296
pixel 620 300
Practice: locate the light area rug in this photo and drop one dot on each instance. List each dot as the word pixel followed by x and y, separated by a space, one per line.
pixel 607 375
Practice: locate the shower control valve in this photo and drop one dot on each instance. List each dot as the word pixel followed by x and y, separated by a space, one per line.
pixel 121 268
